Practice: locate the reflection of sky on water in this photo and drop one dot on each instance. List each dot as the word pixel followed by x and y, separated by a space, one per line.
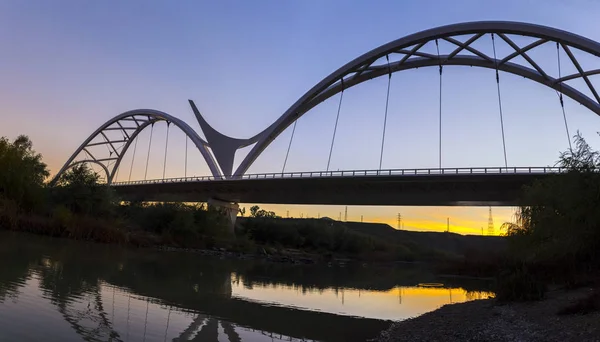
pixel 130 317
pixel 61 290
pixel 396 304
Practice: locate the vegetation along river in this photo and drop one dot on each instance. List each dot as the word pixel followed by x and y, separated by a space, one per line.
pixel 63 290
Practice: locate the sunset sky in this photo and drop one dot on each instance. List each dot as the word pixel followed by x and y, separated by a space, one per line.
pixel 66 67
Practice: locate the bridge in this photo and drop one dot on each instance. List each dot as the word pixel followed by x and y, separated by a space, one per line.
pixel 423 187
pixel 107 146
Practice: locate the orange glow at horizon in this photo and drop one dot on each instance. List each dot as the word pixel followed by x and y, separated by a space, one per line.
pixel 462 220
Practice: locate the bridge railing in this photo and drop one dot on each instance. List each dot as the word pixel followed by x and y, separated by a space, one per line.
pixel 359 173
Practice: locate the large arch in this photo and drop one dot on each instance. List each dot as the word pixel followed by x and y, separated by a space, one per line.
pixel 130 124
pixel 408 49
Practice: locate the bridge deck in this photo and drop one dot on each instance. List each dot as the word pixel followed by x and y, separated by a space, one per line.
pixel 478 189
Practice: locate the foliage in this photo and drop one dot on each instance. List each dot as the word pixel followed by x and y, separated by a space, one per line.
pixel 79 190
pixel 183 224
pixel 255 211
pixel 22 173
pixel 559 221
pixel 312 234
pixel 556 234
pixel 518 283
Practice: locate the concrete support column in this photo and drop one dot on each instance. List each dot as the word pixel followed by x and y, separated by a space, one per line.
pixel 229 209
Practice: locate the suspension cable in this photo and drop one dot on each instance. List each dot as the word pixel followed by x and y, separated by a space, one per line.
pixel 560 96
pixel 387 100
pixel 186 155
pixel 119 167
pixel 289 146
pixel 336 123
pixel 149 146
pixel 133 158
pixel 499 101
pixel 440 133
pixel 166 146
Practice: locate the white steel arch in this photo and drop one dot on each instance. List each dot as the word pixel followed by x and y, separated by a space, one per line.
pixel 131 124
pixel 409 54
pixel 364 68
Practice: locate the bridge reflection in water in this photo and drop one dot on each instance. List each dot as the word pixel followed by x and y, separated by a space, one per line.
pixel 72 291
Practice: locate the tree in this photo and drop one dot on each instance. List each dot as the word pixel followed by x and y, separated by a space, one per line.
pixel 79 175
pixel 559 220
pixel 242 211
pixel 22 173
pixel 79 190
pixel 255 211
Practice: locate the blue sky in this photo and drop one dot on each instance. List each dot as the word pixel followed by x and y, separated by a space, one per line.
pixel 68 66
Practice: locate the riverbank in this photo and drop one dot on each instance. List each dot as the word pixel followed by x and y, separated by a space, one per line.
pixel 299 241
pixel 489 321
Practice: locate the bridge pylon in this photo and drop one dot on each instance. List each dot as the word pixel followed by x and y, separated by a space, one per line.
pixel 229 209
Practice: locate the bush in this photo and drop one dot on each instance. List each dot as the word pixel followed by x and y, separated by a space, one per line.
pixel 557 227
pixel 22 173
pixel 518 283
pixel 314 235
pixel 79 190
pixel 9 213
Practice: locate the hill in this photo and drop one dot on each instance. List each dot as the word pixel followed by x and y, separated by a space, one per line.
pixel 450 243
pixel 373 241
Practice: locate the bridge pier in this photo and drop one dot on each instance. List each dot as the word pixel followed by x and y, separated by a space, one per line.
pixel 229 209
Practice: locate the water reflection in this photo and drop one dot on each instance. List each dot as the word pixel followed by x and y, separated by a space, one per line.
pixel 76 291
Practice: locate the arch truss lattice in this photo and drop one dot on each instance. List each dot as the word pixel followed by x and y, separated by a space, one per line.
pixel 107 146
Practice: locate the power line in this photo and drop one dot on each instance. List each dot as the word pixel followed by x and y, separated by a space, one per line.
pixel 491 224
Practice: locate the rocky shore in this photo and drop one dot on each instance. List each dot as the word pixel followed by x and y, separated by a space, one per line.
pixel 292 258
pixel 486 320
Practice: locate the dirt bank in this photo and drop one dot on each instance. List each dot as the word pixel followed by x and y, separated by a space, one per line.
pixel 486 320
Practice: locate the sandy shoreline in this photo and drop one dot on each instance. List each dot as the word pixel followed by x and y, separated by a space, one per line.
pixel 486 320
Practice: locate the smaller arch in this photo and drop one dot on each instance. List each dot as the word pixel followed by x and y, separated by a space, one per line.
pixel 84 162
pixel 141 118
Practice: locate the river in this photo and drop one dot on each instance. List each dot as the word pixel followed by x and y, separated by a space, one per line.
pixel 62 290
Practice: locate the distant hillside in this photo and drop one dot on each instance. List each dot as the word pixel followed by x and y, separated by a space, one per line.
pixel 353 237
pixel 450 243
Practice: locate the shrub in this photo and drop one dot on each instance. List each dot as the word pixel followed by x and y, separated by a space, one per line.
pixel 518 283
pixel 79 190
pixel 557 226
pixel 22 173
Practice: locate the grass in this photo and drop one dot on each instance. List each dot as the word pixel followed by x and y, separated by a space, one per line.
pixel 77 227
